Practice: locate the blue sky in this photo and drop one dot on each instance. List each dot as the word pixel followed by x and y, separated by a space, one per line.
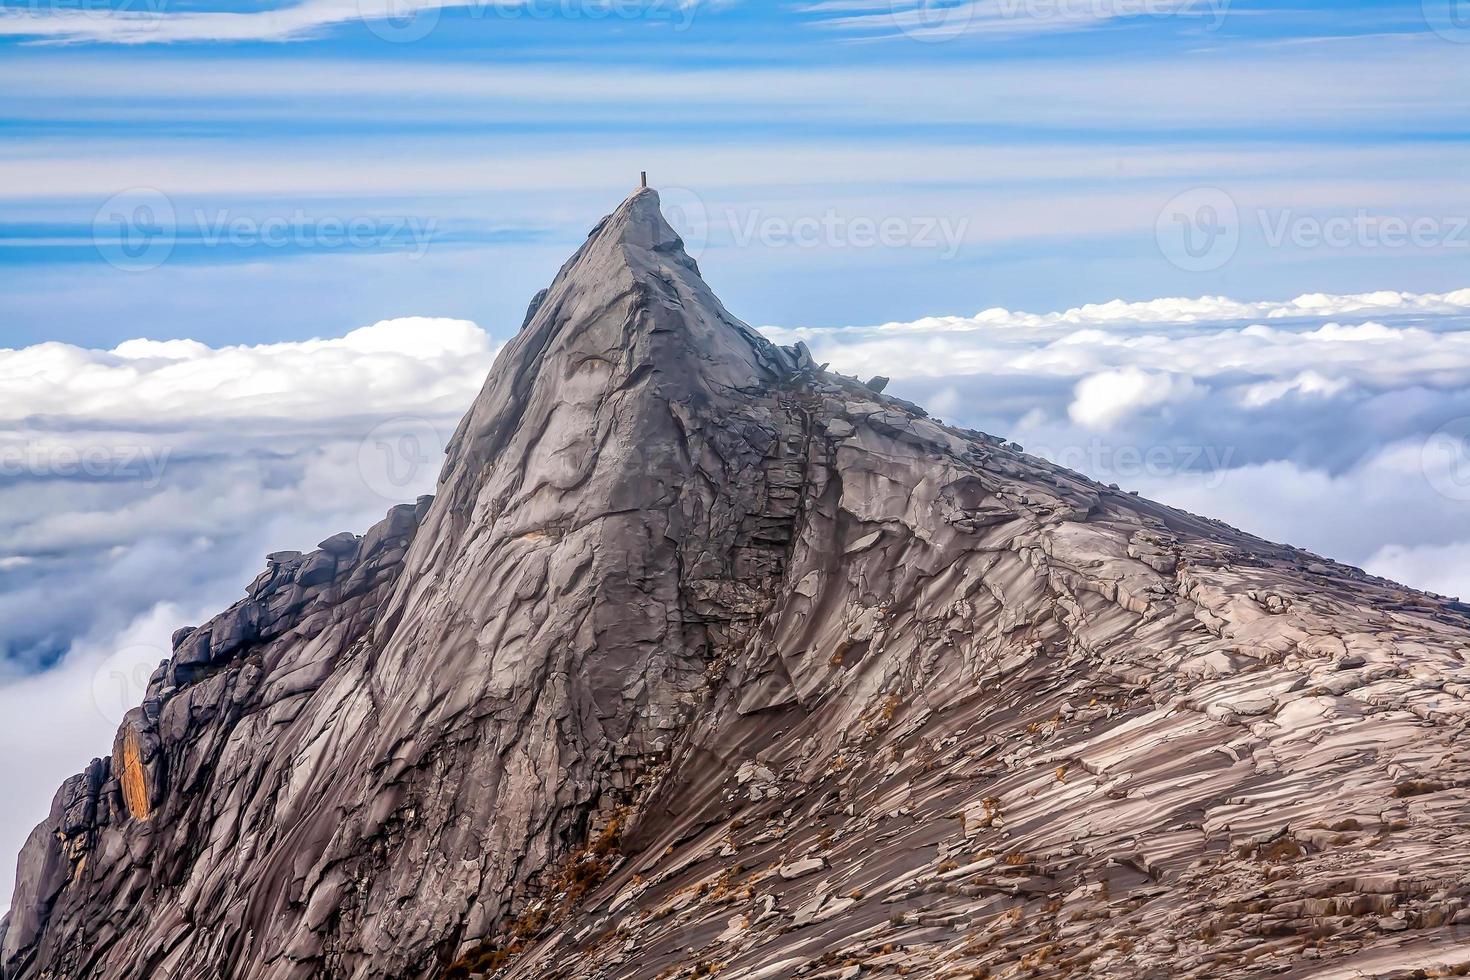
pixel 1059 130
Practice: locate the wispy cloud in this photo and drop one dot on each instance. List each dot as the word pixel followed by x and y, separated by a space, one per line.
pixel 151 22
pixel 941 20
pixel 1161 92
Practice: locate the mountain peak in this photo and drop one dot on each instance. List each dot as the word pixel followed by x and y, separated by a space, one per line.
pixel 633 303
pixel 705 659
pixel 637 234
pixel 639 221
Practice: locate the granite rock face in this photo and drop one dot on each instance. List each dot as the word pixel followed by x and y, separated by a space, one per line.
pixel 706 661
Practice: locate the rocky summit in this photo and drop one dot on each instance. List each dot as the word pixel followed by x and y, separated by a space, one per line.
pixel 705 661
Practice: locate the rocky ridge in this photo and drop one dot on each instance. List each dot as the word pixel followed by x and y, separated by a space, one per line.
pixel 707 661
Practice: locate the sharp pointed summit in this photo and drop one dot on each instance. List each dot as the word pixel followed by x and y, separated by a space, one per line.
pixel 706 661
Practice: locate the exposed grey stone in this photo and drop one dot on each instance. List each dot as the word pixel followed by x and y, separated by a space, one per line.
pixel 645 633
pixel 801 868
pixel 343 543
pixel 317 570
pixel 534 307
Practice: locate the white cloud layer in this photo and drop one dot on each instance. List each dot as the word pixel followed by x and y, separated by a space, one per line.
pixel 1307 343
pixel 1106 398
pixel 415 363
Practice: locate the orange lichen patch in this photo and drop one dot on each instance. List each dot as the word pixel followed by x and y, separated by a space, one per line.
pixel 134 780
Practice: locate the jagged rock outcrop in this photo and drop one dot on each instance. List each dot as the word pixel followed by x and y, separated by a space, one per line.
pixel 704 660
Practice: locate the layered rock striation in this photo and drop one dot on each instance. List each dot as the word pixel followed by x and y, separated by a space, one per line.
pixel 706 661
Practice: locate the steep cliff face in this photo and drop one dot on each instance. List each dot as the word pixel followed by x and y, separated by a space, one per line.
pixel 704 659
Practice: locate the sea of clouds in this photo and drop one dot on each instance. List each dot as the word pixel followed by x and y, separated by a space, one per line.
pixel 141 487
